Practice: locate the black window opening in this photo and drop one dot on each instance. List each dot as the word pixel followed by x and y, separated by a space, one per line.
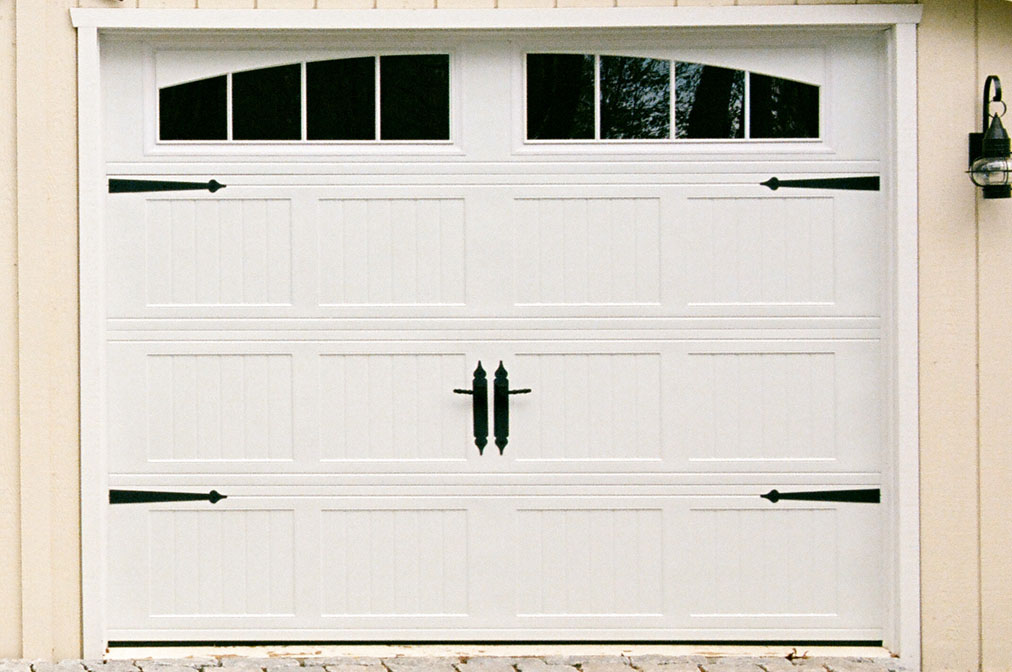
pixel 604 97
pixel 373 98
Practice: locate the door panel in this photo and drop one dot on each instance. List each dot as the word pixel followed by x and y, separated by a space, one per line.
pixel 752 406
pixel 613 406
pixel 289 407
pixel 584 250
pixel 497 566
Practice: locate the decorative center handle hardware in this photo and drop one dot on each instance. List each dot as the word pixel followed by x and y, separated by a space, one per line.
pixel 148 496
pixel 870 496
pixel 479 407
pixel 501 406
pixel 864 183
pixel 117 186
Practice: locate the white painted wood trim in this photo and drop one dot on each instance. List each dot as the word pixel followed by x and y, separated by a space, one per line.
pixel 649 17
pixel 906 467
pixel 91 277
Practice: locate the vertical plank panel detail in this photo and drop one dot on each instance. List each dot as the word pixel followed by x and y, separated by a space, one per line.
pixel 620 578
pixel 218 252
pixel 588 406
pixel 219 407
pixel 396 561
pixel 391 251
pixel 391 407
pixel 586 251
pixel 760 250
pixel 215 563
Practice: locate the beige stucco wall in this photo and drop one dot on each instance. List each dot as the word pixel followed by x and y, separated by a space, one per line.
pixel 965 339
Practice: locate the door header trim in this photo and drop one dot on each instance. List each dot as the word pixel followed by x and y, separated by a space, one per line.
pixel 442 19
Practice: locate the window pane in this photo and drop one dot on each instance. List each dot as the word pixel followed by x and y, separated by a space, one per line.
pixel 266 104
pixel 709 102
pixel 560 96
pixel 415 97
pixel 341 99
pixel 781 108
pixel 193 111
pixel 635 97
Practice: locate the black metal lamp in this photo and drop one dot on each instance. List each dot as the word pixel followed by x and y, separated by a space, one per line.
pixel 990 165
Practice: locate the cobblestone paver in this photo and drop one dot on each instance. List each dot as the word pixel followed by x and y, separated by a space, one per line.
pixel 635 663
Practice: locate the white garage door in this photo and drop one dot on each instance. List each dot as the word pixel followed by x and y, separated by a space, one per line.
pixel 325 341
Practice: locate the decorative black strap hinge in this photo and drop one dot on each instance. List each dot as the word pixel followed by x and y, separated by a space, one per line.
pixel 117 186
pixel 148 496
pixel 870 496
pixel 866 183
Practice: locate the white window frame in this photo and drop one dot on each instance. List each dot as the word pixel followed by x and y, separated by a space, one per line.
pixel 302 61
pixel 902 628
pixel 672 140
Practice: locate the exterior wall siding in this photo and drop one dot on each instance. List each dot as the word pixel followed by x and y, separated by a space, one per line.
pixel 994 259
pixel 966 358
pixel 10 523
pixel 947 250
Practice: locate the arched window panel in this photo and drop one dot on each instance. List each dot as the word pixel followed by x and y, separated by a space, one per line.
pixel 267 104
pixel 782 108
pixel 640 98
pixel 341 99
pixel 194 110
pixel 340 102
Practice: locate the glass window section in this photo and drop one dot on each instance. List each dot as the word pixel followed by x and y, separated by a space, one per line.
pixel 560 96
pixel 709 102
pixel 635 98
pixel 415 97
pixel 267 103
pixel 341 99
pixel 194 110
pixel 782 108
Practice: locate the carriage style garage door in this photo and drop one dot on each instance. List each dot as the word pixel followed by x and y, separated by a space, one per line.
pixel 496 337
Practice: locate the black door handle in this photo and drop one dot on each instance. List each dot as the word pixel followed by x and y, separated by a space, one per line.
pixel 501 406
pixel 479 407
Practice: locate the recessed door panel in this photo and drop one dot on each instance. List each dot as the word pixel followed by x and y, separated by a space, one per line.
pixel 497 566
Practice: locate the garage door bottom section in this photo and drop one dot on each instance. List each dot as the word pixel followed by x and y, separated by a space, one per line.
pixel 668 565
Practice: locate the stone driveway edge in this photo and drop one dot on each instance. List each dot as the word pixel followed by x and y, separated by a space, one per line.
pixel 550 663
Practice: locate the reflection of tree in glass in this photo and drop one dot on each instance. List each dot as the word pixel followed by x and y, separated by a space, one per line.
pixel 635 97
pixel 782 108
pixel 709 101
pixel 560 96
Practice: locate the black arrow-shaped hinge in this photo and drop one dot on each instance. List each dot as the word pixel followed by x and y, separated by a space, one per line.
pixel 870 496
pixel 148 496
pixel 118 186
pixel 865 183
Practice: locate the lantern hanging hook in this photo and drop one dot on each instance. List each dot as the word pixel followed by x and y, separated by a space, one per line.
pixel 991 81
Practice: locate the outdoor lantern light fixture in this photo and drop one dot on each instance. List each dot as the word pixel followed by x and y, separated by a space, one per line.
pixel 990 165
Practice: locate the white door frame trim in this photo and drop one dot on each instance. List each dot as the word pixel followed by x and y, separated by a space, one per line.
pixel 884 16
pixel 903 607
